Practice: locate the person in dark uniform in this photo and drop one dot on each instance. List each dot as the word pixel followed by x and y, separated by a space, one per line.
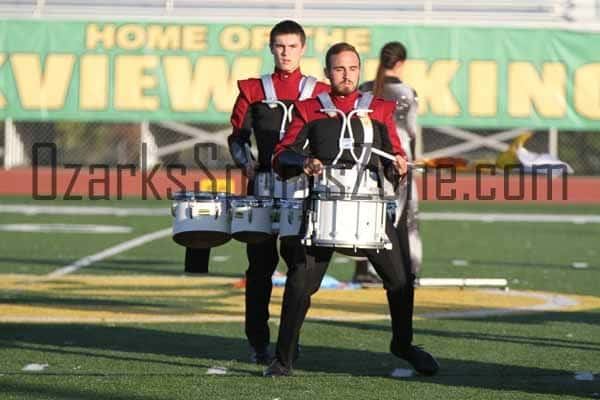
pixel 312 124
pixel 260 108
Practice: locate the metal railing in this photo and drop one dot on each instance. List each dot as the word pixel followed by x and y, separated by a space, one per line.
pixel 533 12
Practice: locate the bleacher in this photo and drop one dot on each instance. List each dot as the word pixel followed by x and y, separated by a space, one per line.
pixel 533 12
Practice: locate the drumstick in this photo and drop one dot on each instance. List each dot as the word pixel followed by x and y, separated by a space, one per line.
pixel 440 162
pixel 393 158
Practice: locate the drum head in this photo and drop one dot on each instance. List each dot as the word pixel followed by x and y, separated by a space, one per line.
pixel 201 239
pixel 290 238
pixel 251 237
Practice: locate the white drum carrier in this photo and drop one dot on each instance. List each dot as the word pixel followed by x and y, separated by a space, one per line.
pixel 347 208
pixel 200 219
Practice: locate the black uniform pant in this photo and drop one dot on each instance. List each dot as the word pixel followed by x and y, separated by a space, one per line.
pixel 262 262
pixel 196 260
pixel 304 279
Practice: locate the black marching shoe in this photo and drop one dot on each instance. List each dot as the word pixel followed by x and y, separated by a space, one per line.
pixel 423 362
pixel 276 370
pixel 261 356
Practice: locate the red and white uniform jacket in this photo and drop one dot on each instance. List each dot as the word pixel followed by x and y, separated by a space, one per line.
pixel 259 109
pixel 314 133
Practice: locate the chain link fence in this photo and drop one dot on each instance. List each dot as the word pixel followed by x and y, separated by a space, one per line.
pixel 168 143
pixel 2 146
pixel 436 143
pixel 579 149
pixel 175 143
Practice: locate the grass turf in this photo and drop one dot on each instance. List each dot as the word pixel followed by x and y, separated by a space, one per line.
pixel 531 356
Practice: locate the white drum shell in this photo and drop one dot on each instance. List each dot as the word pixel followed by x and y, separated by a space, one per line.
pixel 348 224
pixel 290 218
pixel 201 223
pixel 251 221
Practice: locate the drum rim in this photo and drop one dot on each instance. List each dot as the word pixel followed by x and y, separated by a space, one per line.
pixel 291 203
pixel 202 195
pixel 348 198
pixel 344 244
pixel 258 203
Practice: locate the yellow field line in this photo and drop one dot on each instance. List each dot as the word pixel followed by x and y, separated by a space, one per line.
pixel 173 299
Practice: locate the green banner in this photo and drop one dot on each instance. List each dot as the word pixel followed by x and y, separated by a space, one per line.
pixel 465 76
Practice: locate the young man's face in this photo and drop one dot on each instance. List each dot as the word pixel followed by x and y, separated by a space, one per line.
pixel 343 72
pixel 287 50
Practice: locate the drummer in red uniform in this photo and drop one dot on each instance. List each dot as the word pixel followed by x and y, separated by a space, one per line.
pixel 317 132
pixel 258 110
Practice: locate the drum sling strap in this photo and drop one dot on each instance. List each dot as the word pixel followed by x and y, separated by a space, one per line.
pixel 361 109
pixel 307 86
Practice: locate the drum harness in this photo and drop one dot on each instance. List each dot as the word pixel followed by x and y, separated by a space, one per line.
pixel 306 87
pixel 361 109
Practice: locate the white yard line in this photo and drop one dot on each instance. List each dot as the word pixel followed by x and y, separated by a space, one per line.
pixel 64 228
pixel 553 302
pixel 426 216
pixel 111 251
pixel 83 210
pixel 510 217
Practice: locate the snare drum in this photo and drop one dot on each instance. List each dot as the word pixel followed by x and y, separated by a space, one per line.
pixel 200 219
pixel 251 219
pixel 291 214
pixel 347 225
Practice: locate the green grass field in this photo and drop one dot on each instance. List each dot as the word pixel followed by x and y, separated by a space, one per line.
pixel 531 355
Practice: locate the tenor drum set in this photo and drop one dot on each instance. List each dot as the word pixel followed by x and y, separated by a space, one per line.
pixel 206 219
pixel 344 208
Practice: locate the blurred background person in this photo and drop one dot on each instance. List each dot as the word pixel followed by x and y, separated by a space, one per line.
pixel 388 85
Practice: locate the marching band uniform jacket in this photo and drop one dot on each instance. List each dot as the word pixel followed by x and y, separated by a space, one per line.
pixel 251 114
pixel 322 131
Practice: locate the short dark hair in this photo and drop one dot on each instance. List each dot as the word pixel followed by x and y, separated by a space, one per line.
pixel 337 49
pixel 287 27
